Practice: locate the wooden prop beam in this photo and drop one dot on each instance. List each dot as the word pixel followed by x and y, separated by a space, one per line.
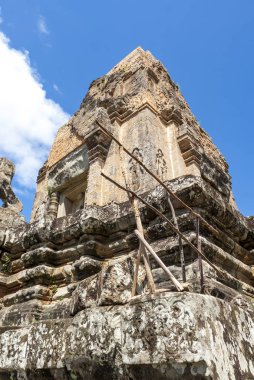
pixel 182 259
pixel 177 284
pixel 200 263
pixel 192 246
pixel 141 251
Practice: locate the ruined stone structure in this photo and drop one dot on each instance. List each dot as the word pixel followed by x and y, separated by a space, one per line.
pixel 66 310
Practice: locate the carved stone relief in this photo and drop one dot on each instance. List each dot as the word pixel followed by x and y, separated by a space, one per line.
pixel 135 169
pixel 161 166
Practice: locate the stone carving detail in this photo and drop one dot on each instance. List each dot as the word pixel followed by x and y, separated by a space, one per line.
pixel 135 169
pixel 7 169
pixel 98 145
pixel 53 205
pixel 189 145
pixel 161 166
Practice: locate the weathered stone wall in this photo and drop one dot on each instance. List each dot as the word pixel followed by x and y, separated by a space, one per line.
pixel 44 260
pixel 141 105
pixel 74 267
pixel 169 336
pixel 65 142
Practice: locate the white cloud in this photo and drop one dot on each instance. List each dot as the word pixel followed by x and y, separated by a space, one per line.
pixel 28 119
pixel 42 26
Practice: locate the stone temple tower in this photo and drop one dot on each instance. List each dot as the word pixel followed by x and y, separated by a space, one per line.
pixel 67 306
pixel 139 103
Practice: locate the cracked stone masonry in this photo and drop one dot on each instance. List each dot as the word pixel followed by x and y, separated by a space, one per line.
pixel 66 305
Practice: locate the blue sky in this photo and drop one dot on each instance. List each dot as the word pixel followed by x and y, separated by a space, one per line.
pixel 207 47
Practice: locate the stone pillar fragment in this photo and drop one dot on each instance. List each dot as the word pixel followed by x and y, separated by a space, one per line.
pixel 53 205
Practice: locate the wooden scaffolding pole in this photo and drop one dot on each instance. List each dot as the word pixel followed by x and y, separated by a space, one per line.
pixel 177 284
pixel 200 263
pixel 182 259
pixel 141 251
pixel 192 246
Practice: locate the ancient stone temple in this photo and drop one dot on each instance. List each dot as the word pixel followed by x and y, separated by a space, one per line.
pixel 132 157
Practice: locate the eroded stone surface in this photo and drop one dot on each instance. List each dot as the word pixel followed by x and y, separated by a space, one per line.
pixel 169 336
pixel 7 195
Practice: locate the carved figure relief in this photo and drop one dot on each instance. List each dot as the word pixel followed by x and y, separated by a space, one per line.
pixel 151 84
pixel 119 89
pixel 9 199
pixel 161 166
pixel 135 169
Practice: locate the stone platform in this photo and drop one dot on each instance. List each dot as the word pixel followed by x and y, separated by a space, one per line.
pixel 164 336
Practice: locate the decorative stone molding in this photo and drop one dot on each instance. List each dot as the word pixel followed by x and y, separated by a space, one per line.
pixel 53 205
pixel 98 144
pixel 168 115
pixel 189 145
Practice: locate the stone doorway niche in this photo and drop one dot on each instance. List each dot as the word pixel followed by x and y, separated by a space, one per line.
pixel 72 198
